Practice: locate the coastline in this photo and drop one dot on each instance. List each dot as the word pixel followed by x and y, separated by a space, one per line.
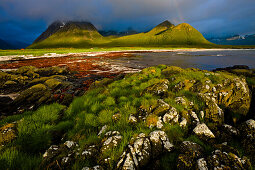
pixel 99 53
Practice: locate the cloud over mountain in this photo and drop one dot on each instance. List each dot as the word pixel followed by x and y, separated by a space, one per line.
pixel 215 16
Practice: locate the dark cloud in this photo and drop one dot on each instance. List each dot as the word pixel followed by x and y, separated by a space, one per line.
pixel 30 17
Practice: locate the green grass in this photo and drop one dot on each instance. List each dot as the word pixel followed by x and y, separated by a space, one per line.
pixel 12 158
pixel 33 129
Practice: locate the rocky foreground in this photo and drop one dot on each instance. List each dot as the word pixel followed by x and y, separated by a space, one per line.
pixel 160 118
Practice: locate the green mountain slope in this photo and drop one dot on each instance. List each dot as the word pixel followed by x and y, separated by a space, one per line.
pixel 72 34
pixel 84 35
pixel 182 34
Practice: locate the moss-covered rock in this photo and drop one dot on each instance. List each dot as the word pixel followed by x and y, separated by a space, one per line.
pixel 247 131
pixel 8 133
pixel 49 71
pixel 52 83
pixel 159 88
pixel 35 94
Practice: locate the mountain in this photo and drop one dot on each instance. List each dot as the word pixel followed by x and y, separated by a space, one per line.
pixel 165 34
pixel 84 35
pixel 69 34
pixel 5 45
pixel 53 28
pixel 234 40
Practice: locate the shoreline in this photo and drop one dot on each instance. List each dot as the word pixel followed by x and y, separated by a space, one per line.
pixel 98 53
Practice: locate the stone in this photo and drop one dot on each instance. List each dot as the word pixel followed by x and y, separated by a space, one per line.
pixel 116 117
pixel 194 117
pixel 171 116
pixel 103 130
pixel 227 161
pixel 70 144
pixel 159 123
pixel 143 149
pixel 247 133
pixel 203 131
pixel 180 100
pixel 89 152
pixel 132 119
pixel 113 139
pixel 202 114
pixel 161 108
pixel 213 113
pixel 183 123
pixel 201 164
pixel 160 142
pixel 129 163
pixel 192 149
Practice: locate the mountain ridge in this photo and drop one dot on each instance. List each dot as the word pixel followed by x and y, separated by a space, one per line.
pixel 84 34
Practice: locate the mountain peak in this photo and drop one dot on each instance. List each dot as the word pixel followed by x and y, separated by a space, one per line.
pixel 63 26
pixel 166 23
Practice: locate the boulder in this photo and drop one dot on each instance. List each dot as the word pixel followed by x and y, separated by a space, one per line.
pixel 189 153
pixel 144 149
pixel 247 132
pixel 171 116
pixel 162 107
pixel 202 164
pixel 203 132
pixel 180 100
pixel 213 113
pixel 192 149
pixel 160 142
pixel 224 160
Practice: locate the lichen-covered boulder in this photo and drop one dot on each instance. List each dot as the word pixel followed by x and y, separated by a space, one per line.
pixel 189 153
pixel 224 160
pixel 171 116
pixel 238 98
pixel 180 100
pixel 213 113
pixel 144 149
pixel 203 132
pixel 191 148
pixel 247 132
pixel 162 107
pixel 62 155
pixel 160 142
pixel 201 164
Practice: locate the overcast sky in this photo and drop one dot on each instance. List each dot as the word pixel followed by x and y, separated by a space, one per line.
pixel 26 19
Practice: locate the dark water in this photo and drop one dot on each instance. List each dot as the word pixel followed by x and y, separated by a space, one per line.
pixel 206 60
